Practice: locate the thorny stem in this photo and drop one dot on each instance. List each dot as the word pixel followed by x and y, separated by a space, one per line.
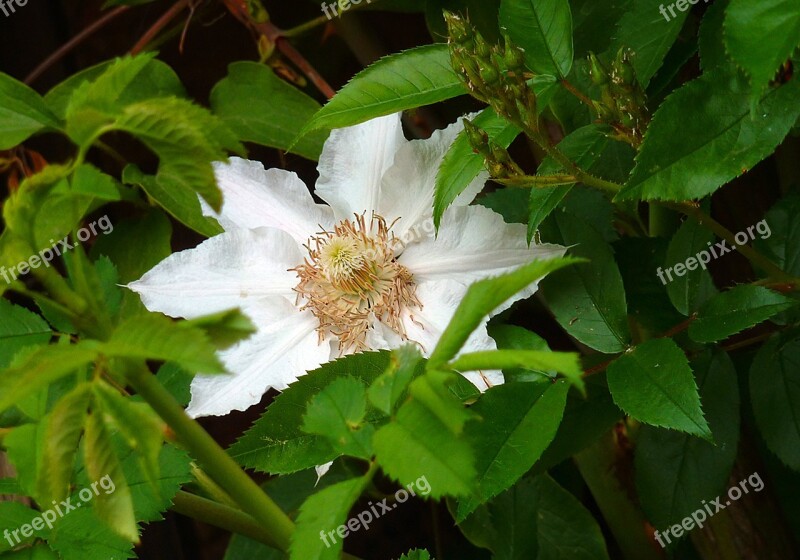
pixel 72 43
pixel 279 38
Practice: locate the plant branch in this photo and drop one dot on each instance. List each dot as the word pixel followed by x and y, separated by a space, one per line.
pixel 74 42
pixel 536 181
pixel 222 516
pixel 307 26
pixel 160 24
pixel 577 93
pixel 216 462
pixel 279 38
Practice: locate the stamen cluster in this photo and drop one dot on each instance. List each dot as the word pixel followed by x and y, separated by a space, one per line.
pixel 351 278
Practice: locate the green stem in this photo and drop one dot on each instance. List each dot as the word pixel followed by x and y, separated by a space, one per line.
pixel 307 26
pixel 211 487
pixel 222 516
pixel 216 462
pixel 568 165
pixel 536 181
pixel 55 284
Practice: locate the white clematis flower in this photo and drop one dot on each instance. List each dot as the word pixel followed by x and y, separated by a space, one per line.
pixel 365 273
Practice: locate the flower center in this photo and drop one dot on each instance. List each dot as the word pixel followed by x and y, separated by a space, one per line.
pixel 351 277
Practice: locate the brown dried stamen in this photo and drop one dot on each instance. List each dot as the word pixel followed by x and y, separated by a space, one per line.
pixel 351 275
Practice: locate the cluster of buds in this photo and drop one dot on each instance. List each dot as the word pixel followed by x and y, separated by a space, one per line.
pixel 623 102
pixel 494 74
pixel 496 157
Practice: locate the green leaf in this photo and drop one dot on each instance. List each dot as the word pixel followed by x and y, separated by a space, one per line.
pixel 594 23
pixel 24 447
pixel 156 79
pixel 416 554
pixel 543 29
pixel 426 439
pixel 761 36
pixel 510 337
pixel 537 518
pixel 565 362
pixel 115 508
pixel 778 240
pixel 177 381
pixel 224 328
pixel 13 516
pixel 154 337
pixel 142 429
pixel 337 413
pixel 276 443
pixel 675 472
pixel 412 78
pixel 482 298
pixel 10 487
pixel 588 301
pixel 647 32
pixel 40 368
pixel 19 328
pixel 648 304
pixel 186 139
pixel 39 552
pixel 736 310
pixel 774 394
pixel 585 420
pixel 519 420
pixel 654 384
pixel 564 527
pixel 93 104
pixel 260 107
pixel 584 147
pixel 461 165
pixel 683 159
pixel 325 511
pixel 84 535
pixel 180 202
pixel 23 113
pixel 710 42
pixel 136 245
pixel 63 429
pixel 689 291
pixel 391 386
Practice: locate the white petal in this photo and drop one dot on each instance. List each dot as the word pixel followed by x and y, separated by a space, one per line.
pixel 408 186
pixel 224 272
pixel 256 197
pixel 280 352
pixel 474 243
pixel 425 327
pixel 353 163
